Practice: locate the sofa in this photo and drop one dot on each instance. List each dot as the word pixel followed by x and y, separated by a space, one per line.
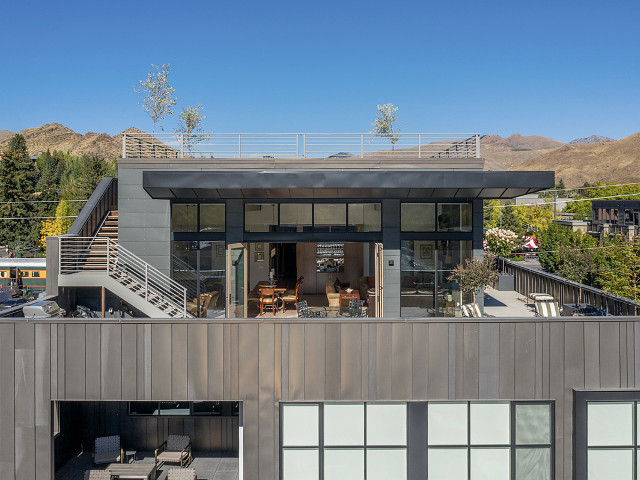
pixel 365 284
pixel 332 296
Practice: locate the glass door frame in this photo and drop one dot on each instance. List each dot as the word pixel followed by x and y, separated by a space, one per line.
pixel 232 308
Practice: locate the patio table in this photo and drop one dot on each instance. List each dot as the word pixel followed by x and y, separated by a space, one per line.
pixel 133 471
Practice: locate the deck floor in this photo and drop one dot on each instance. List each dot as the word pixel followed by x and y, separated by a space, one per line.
pixel 208 466
pixel 507 304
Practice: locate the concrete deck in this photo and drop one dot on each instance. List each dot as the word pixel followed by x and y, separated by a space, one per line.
pixel 208 466
pixel 507 304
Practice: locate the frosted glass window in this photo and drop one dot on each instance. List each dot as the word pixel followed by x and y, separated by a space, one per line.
pixel 300 425
pixel 610 464
pixel 260 217
pixel 447 424
pixel 300 464
pixel 346 464
pixel 386 464
pixel 609 423
pixel 344 424
pixel 490 423
pixel 490 464
pixel 533 424
pixel 533 464
pixel 447 464
pixel 387 424
pixel 418 217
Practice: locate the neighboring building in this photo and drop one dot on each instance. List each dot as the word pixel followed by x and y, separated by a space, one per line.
pixel 400 396
pixel 612 217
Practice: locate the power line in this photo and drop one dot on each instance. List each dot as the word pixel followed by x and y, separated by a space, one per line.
pixel 571 200
pixel 36 218
pixel 44 201
pixel 590 188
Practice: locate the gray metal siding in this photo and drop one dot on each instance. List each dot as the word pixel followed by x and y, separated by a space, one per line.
pixel 262 363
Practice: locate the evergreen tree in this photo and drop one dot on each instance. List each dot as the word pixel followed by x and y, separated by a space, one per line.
pixel 18 185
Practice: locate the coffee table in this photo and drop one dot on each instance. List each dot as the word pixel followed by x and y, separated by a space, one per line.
pixel 133 471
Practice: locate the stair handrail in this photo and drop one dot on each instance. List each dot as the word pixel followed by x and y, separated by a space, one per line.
pixel 74 253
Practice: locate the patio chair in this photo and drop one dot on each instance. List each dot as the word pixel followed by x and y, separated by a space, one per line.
pixel 304 312
pixel 107 450
pixel 98 475
pixel 547 309
pixel 181 474
pixel 176 449
pixel 472 310
pixel 355 308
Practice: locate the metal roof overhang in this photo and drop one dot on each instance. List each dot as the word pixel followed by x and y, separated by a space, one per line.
pixel 347 183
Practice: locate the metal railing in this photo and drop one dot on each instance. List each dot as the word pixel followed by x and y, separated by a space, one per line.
pixel 91 217
pixel 95 254
pixel 299 145
pixel 530 280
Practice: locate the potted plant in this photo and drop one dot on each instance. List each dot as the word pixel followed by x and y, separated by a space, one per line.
pixel 474 275
pixel 501 243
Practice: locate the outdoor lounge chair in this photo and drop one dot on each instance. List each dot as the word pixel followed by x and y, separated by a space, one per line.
pixel 107 450
pixel 547 309
pixel 177 449
pixel 98 475
pixel 471 310
pixel 303 310
pixel 181 474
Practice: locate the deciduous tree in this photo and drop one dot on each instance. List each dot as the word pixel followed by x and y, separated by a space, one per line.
pixel 475 274
pixel 190 124
pixel 383 125
pixel 157 94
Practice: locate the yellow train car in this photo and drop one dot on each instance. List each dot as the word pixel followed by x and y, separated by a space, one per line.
pixel 29 274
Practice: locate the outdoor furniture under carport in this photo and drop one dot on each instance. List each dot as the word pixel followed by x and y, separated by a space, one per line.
pixel 107 449
pixel 177 449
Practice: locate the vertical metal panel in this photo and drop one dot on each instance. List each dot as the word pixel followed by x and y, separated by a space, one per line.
pixel 111 362
pixel 160 361
pixel 636 342
pixel 268 434
pixel 179 362
pixel 296 362
pixel 507 360
pixel 488 361
pixel 74 362
pixel 609 355
pixel 7 399
pixel 371 362
pixel 525 360
pixel 438 354
pixel 215 361
pixel 351 362
pixel 25 434
pixel 314 361
pixel 197 362
pixel 470 361
pixel 148 365
pixel 631 357
pixel 140 365
pixel 383 362
pixel 420 365
pixel 54 360
pixel 454 376
pixel 545 360
pixel 364 381
pixel 129 366
pixel 574 377
pixel 557 388
pixel 42 401
pixel 202 433
pixel 92 360
pixel 622 349
pixel 332 362
pixel 235 353
pixel 538 366
pixel 249 392
pixel 591 355
pixel 284 360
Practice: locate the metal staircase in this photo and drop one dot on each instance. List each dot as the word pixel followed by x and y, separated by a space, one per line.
pixel 101 261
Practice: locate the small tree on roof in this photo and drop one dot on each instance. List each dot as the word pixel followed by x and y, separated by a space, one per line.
pixel 190 124
pixel 383 124
pixel 157 94
pixel 474 274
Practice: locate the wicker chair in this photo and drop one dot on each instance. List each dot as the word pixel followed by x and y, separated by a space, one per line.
pixel 182 474
pixel 177 449
pixel 98 475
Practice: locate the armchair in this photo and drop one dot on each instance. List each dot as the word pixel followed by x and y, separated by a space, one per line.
pixel 176 449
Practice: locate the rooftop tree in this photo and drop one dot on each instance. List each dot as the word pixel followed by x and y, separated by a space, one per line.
pixel 157 94
pixel 475 274
pixel 383 125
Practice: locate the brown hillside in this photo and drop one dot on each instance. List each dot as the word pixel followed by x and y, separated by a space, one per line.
pixel 5 134
pixel 617 161
pixel 507 153
pixel 54 136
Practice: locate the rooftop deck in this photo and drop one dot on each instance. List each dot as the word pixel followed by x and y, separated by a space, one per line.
pixel 300 145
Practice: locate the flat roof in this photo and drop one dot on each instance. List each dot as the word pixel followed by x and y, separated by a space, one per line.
pixel 342 183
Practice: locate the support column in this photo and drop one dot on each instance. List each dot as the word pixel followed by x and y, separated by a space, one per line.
pixel 391 257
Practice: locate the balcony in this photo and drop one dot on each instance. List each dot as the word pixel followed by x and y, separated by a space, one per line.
pixel 345 146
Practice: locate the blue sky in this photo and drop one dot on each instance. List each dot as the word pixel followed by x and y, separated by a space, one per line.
pixel 563 69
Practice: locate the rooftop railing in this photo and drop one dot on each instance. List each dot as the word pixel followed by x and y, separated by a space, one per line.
pixel 300 145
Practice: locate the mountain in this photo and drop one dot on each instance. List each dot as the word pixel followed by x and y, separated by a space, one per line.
pixel 590 140
pixel 5 133
pixel 55 136
pixel 616 161
pixel 507 153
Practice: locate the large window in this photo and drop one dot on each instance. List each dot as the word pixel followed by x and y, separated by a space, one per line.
pixel 460 440
pixel 198 217
pixel 310 217
pixel 451 217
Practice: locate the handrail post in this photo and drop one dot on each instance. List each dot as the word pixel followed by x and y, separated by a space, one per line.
pixel 419 145
pixel 477 145
pixel 124 145
pixel 239 145
pixel 182 145
pixel 60 253
pixel 362 145
pixel 304 145
pixel 184 302
pixel 108 255
pixel 297 145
